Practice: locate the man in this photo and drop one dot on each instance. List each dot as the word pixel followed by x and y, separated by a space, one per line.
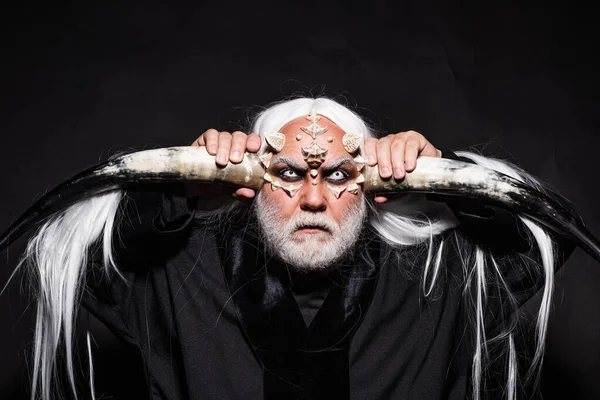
pixel 316 290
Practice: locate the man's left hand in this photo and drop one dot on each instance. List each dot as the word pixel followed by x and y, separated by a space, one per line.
pixel 396 154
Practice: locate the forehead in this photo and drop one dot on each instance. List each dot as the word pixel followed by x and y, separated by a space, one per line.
pixel 296 139
pixel 296 124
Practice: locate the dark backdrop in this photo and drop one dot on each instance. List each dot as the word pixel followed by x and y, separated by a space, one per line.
pixel 519 81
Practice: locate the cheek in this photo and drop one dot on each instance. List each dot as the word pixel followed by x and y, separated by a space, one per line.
pixel 278 198
pixel 339 208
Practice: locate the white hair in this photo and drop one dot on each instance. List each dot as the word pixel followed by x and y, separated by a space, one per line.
pixel 57 255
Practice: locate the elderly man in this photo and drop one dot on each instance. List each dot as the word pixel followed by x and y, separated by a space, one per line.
pixel 313 289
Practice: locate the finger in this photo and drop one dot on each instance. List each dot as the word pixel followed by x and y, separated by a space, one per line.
pixel 430 151
pixel 223 148
pixel 253 143
pixel 371 151
pixel 380 199
pixel 200 141
pixel 397 148
pixel 244 193
pixel 238 147
pixel 383 157
pixel 211 141
pixel 411 152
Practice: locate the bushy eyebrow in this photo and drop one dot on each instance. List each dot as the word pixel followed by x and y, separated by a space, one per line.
pixel 290 162
pixel 337 163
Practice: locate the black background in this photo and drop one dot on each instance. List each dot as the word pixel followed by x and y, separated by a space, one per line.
pixel 517 80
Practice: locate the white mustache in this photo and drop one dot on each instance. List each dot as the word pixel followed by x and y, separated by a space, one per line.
pixel 309 220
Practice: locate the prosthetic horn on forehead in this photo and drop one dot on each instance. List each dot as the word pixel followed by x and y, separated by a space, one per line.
pixel 179 164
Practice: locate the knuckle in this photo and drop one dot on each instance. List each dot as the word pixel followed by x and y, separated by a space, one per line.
pixel 398 147
pixel 370 143
pixel 383 142
pixel 254 139
pixel 224 136
pixel 412 144
pixel 407 135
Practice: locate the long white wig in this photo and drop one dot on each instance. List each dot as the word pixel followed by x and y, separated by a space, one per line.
pixel 57 257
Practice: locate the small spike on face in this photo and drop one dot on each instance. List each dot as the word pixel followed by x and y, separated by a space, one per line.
pixel 353 188
pixel 337 191
pixel 314 155
pixel 313 130
pixel 360 162
pixel 291 190
pixel 265 159
pixel 275 185
pixel 351 142
pixel 275 140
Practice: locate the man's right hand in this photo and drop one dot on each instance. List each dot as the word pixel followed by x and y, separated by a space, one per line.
pixel 229 147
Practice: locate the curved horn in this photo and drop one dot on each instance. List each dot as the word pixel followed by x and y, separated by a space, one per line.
pixel 444 176
pixel 433 175
pixel 171 164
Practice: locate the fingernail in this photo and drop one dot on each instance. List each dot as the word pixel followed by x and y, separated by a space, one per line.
pixel 221 159
pixel 398 173
pixel 236 154
pixel 385 171
pixel 409 164
pixel 372 160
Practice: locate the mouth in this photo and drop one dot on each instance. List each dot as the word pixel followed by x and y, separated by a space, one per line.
pixel 311 229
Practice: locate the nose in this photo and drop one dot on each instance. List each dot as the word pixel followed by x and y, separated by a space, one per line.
pixel 312 198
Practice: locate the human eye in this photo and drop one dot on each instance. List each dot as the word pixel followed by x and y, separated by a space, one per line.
pixel 338 176
pixel 289 175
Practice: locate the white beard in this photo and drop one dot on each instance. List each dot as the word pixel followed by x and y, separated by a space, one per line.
pixel 309 251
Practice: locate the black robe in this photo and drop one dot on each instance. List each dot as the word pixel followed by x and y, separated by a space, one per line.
pixel 213 319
